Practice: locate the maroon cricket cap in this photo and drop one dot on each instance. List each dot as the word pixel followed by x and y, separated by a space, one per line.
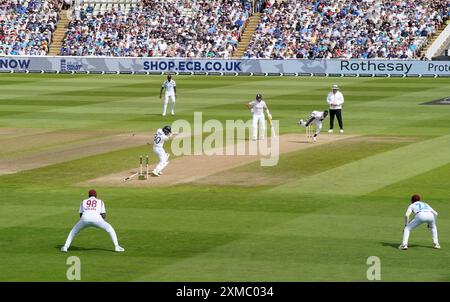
pixel 92 193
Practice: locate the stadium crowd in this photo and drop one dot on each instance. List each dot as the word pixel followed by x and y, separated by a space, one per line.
pixel 160 28
pixel 212 29
pixel 346 29
pixel 26 26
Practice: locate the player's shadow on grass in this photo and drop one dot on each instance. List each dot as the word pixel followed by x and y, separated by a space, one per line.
pixel 74 248
pixel 395 245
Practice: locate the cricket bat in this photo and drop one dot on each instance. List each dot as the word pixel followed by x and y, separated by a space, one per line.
pixel 272 129
pixel 130 177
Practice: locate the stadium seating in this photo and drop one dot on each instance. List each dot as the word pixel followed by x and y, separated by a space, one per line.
pixel 26 26
pixel 102 6
pixel 287 29
pixel 346 29
pixel 156 28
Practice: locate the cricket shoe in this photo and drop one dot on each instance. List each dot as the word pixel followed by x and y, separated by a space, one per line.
pixel 314 139
pixel 341 131
pixel 330 131
pixel 172 113
pixel 300 122
pixel 403 247
pixel 155 173
pixel 64 249
pixel 164 114
pixel 119 249
pixel 437 246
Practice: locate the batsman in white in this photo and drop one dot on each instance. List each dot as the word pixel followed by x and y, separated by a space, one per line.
pixel 92 214
pixel 160 137
pixel 170 88
pixel 257 108
pixel 423 214
pixel 315 117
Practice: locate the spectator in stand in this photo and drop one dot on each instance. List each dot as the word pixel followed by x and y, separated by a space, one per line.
pixel 66 4
pixel 89 9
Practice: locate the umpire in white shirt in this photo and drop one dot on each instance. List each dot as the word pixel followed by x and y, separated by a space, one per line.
pixel 335 99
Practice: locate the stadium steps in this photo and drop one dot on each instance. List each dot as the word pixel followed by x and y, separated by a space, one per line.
pixel 59 34
pixel 247 35
pixel 433 38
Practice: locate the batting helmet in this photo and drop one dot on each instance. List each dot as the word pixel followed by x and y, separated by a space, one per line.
pixel 258 96
pixel 92 192
pixel 167 130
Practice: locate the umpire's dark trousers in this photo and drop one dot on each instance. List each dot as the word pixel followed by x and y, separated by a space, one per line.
pixel 338 114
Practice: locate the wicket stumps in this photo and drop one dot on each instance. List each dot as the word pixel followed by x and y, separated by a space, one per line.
pixel 309 131
pixel 146 167
pixel 141 170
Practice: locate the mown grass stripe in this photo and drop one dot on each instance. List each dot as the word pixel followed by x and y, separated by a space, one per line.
pixel 375 172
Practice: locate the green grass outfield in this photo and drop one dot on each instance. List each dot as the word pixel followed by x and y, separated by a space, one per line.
pixel 337 205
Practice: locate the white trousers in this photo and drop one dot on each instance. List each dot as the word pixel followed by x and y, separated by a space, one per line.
pixel 163 158
pixel 166 101
pixel 318 126
pixel 89 222
pixel 421 217
pixel 258 120
pixel 318 123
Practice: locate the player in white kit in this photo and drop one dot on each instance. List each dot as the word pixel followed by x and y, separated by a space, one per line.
pixel 315 117
pixel 170 88
pixel 423 214
pixel 92 214
pixel 160 137
pixel 257 108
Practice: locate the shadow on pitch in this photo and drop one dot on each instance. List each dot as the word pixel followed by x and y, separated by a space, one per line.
pixel 395 245
pixel 74 248
pixel 157 114
pixel 299 142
